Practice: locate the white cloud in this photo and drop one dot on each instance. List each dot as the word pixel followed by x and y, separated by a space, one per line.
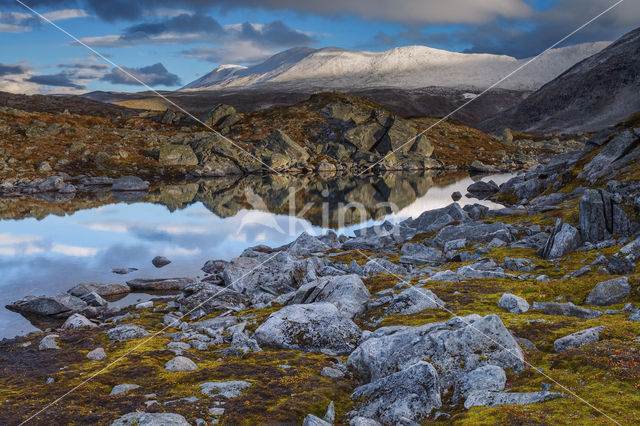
pixel 10 22
pixel 74 251
pixel 61 15
pixel 180 251
pixel 235 52
pixel 20 250
pixel 10 239
pixel 9 28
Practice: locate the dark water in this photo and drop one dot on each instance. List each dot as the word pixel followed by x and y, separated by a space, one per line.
pixel 46 251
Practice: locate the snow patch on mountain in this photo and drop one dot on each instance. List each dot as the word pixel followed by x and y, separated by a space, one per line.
pixel 408 67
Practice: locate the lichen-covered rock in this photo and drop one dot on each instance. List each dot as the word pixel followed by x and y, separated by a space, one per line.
pixel 578 339
pixel 419 254
pixel 227 390
pixel 434 220
pixel 413 300
pixel 564 239
pixel 454 347
pixel 123 388
pixel 59 306
pixel 77 321
pixel 103 290
pixel 347 292
pixel 410 394
pixel 139 418
pixel 382 266
pixel 48 342
pixel 519 264
pixel 98 354
pixel 482 398
pixel 609 292
pixel 487 378
pixel 177 155
pixel 159 284
pixel 180 363
pixel 566 309
pixel 126 332
pixel 474 232
pixel 312 328
pixel 513 303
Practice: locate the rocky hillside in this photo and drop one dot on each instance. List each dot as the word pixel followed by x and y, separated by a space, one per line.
pixel 527 314
pixel 329 133
pixel 595 93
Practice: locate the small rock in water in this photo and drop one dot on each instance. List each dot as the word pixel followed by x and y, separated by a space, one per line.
pixel 160 261
pixel 456 196
pixel 123 271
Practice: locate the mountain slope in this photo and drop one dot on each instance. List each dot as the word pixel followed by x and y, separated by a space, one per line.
pixel 403 67
pixel 595 93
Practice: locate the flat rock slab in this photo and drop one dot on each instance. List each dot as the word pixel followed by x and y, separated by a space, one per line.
pixel 566 309
pixel 103 290
pixel 229 389
pixel 151 419
pixel 163 284
pixel 126 332
pixel 578 339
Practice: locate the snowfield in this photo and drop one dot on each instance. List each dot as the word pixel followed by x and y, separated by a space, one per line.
pixel 408 67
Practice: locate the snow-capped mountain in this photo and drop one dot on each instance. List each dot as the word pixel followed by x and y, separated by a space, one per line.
pixel 402 67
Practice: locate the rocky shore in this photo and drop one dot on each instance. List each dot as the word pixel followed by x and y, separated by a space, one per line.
pixel 527 313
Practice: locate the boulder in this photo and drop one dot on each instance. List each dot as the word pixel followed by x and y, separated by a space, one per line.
pixel 513 303
pixel 595 216
pixel 445 276
pixel 382 266
pixel 419 254
pixel 602 164
pixel 454 347
pixel 160 261
pixel 413 300
pixel 77 321
pixel 617 265
pixel 609 292
pixel 103 290
pixel 48 342
pixel 410 394
pixel 139 418
pixel 126 332
pixel 227 390
pixel 93 299
pixel 60 306
pixel 180 363
pixel 98 354
pixel 129 183
pixel 347 292
pixel 177 155
pixel 482 189
pixel 216 114
pixel 519 264
pixel 563 240
pixel 123 389
pixel 159 284
pixel 306 244
pixel 312 328
pixel 482 398
pixel 578 339
pixel 566 309
pixel 478 232
pixel 434 220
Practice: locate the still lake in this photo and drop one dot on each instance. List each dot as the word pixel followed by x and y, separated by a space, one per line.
pixel 45 250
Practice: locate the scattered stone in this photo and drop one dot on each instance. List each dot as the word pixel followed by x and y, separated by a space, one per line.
pixel 312 328
pixel 331 373
pixel 180 363
pixel 519 264
pixel 98 354
pixel 513 303
pixel 126 332
pixel 414 300
pixel 382 266
pixel 228 390
pixel 566 309
pixel 145 305
pixel 578 273
pixel 48 342
pixel 160 261
pixel 77 321
pixel 578 339
pixel 445 276
pixel 609 292
pixel 456 196
pixel 123 389
pixel 139 418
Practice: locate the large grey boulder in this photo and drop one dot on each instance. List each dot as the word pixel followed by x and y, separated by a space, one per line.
pixel 383 267
pixel 487 378
pixel 48 342
pixel 603 164
pixel 566 309
pixel 609 292
pixel 126 332
pixel 216 114
pixel 306 244
pixel 434 220
pixel 482 398
pixel 513 303
pixel 139 418
pixel 129 183
pixel 564 239
pixel 159 284
pixel 454 347
pixel 413 300
pixel 482 189
pixel 601 217
pixel 347 292
pixel 519 264
pixel 98 354
pixel 578 339
pixel 410 394
pixel 103 290
pixel 312 328
pixel 177 155
pixel 160 261
pixel 59 306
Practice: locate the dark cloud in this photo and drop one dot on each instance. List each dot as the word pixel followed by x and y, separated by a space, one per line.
pixel 152 75
pixel 85 66
pixel 275 33
pixel 183 23
pixel 59 80
pixel 8 69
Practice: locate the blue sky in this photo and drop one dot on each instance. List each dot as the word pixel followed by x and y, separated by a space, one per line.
pixel 188 38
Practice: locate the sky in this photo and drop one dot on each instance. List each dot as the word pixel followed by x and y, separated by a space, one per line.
pixel 167 44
